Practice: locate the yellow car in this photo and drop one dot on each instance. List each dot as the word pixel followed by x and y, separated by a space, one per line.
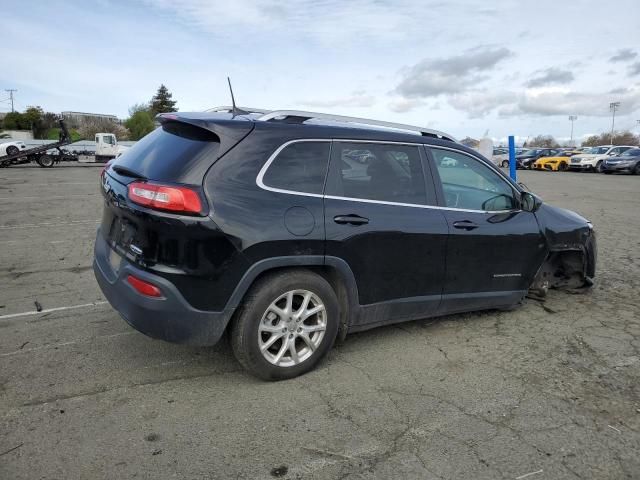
pixel 552 163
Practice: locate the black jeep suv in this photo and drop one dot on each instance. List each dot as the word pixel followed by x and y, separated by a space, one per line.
pixel 267 224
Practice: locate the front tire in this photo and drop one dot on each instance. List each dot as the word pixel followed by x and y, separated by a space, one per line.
pixel 286 325
pixel 598 167
pixel 636 171
pixel 505 164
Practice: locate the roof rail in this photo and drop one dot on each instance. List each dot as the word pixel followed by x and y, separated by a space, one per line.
pixel 304 116
pixel 229 108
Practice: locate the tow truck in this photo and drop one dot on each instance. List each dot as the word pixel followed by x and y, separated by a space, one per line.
pixel 107 148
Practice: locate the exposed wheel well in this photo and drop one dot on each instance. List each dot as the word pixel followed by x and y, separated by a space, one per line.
pixel 565 269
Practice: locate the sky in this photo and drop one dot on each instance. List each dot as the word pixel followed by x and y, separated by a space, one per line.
pixel 505 67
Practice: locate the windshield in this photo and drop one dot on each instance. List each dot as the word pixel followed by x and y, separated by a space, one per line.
pixel 597 150
pixel 634 152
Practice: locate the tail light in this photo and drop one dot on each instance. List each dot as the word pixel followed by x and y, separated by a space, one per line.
pixel 165 197
pixel 144 288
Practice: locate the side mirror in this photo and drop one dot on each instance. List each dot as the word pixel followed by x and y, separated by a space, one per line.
pixel 530 202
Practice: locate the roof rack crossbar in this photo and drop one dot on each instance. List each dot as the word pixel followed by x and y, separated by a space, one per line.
pixel 281 114
pixel 229 108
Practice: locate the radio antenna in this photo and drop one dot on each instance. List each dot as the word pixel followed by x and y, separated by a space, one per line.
pixel 235 110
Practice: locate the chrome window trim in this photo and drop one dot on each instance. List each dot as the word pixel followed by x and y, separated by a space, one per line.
pixel 265 167
pixel 260 178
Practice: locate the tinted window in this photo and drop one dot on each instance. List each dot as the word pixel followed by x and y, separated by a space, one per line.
pixel 384 172
pixel 469 184
pixel 300 166
pixel 175 152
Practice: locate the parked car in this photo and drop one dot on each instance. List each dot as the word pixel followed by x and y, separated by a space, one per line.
pixel 262 224
pixel 591 159
pixel 501 157
pixel 559 162
pixel 627 162
pixel 11 148
pixel 525 160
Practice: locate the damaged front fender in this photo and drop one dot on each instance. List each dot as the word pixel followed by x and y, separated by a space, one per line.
pixel 571 242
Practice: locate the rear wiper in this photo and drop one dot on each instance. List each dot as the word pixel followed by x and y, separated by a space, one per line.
pixel 126 172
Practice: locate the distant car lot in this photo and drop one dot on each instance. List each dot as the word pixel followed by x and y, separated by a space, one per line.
pixel 553 386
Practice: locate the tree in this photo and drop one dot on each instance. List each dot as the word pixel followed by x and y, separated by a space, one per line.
pixel 619 138
pixel 139 124
pixel 139 107
pixel 162 102
pixel 543 141
pixel 89 128
pixel 13 121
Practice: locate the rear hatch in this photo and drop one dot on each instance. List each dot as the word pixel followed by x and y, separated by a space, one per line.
pixel 176 155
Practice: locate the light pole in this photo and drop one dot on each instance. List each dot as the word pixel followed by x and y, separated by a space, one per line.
pixel 572 118
pixel 613 106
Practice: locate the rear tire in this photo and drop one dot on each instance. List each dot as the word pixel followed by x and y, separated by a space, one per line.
pixel 505 164
pixel 272 337
pixel 46 161
pixel 12 150
pixel 598 167
pixel 563 166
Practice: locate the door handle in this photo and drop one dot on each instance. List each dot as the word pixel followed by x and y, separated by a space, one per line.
pixel 350 219
pixel 467 225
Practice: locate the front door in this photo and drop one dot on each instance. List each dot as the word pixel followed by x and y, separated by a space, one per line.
pixel 378 220
pixel 494 247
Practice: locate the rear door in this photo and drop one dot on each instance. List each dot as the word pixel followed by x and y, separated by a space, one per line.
pixel 494 248
pixel 378 219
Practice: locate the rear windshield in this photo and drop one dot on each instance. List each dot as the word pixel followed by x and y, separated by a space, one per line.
pixel 176 152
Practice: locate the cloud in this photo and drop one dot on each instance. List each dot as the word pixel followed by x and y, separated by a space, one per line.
pixel 559 102
pixel 356 99
pixel 550 76
pixel 634 69
pixel 432 77
pixel 329 21
pixel 478 103
pixel 624 55
pixel 403 105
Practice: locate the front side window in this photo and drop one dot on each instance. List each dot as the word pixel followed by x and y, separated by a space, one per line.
pixel 299 167
pixel 469 184
pixel 381 172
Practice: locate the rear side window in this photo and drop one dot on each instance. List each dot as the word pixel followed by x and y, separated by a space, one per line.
pixel 299 167
pixel 382 172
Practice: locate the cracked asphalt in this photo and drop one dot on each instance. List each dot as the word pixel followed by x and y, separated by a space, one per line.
pixel 549 391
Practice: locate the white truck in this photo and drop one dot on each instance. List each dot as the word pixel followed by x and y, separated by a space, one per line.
pixel 592 158
pixel 107 148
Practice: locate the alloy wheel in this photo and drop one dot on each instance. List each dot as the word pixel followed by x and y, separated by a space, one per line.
pixel 292 328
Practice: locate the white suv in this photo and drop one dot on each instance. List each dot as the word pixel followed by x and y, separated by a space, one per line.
pixel 592 158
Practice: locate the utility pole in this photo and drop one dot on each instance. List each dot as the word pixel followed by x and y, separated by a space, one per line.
pixel 613 106
pixel 572 118
pixel 11 90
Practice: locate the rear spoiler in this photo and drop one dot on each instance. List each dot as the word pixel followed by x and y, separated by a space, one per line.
pixel 228 130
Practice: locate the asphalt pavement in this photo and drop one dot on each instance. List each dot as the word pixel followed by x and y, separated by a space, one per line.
pixel 549 391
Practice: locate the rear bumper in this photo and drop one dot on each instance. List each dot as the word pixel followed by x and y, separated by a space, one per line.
pixel 169 318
